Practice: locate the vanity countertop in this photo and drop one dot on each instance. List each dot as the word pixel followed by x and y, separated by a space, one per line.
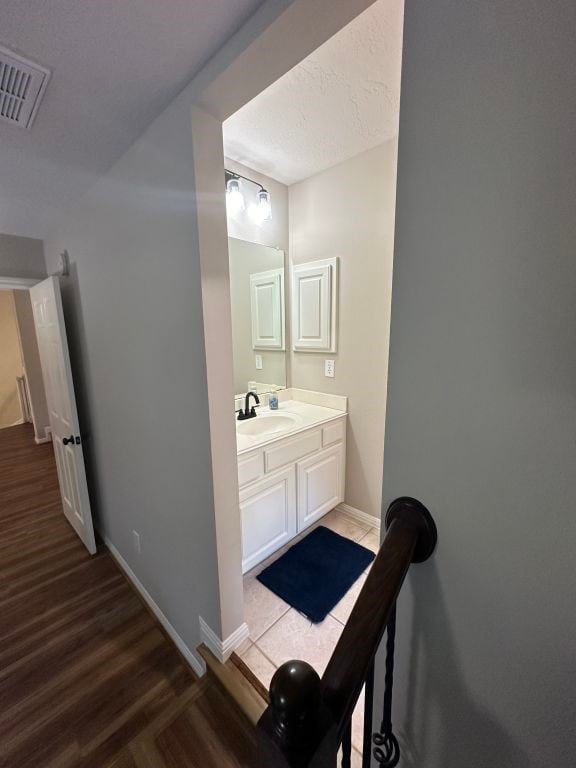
pixel 292 416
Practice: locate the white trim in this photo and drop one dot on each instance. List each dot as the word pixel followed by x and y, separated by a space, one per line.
pixel 47 436
pixel 223 649
pixel 195 663
pixel 336 402
pixel 15 283
pixel 357 514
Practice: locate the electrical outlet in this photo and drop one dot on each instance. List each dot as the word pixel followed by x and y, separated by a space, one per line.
pixel 258 362
pixel 329 368
pixel 137 542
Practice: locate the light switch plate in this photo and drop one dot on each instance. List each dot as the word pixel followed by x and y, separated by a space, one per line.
pixel 258 362
pixel 329 368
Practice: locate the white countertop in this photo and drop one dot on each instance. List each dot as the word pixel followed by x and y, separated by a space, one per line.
pixel 302 415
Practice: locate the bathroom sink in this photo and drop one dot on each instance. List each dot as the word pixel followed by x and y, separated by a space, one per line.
pixel 265 424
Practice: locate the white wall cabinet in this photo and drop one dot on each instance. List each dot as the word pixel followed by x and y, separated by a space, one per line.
pixel 314 306
pixel 287 485
pixel 267 309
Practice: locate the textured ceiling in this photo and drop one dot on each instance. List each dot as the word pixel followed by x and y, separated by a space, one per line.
pixel 340 101
pixel 115 65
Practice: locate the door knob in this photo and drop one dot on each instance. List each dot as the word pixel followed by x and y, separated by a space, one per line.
pixel 68 440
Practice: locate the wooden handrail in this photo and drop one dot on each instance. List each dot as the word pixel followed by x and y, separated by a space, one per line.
pixel 307 717
pixel 355 651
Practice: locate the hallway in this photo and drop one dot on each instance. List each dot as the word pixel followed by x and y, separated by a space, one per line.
pixel 84 668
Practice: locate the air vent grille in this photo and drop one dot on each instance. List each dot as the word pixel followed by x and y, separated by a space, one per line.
pixel 22 85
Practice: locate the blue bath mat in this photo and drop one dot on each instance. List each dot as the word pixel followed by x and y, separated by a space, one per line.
pixel 315 574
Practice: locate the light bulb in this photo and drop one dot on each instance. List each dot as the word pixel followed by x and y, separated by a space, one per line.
pixel 262 210
pixel 234 197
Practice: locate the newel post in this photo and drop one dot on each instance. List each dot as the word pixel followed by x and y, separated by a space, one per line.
pixel 295 730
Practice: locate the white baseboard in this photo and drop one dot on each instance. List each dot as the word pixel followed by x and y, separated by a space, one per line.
pixel 223 649
pixel 46 439
pixel 357 514
pixel 195 663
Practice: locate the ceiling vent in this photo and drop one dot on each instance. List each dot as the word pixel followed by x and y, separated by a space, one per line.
pixel 22 85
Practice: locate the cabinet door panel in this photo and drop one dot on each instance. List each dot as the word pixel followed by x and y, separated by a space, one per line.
pixel 320 485
pixel 267 306
pixel 268 512
pixel 314 299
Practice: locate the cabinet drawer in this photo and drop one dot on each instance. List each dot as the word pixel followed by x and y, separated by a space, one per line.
pixel 333 433
pixel 250 468
pixel 290 451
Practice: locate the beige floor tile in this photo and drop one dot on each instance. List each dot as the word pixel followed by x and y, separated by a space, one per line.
pixel 259 664
pixel 261 607
pixel 355 758
pixel 243 647
pixel 358 723
pixel 295 637
pixel 343 525
pixel 269 560
pixel 371 540
pixel 342 610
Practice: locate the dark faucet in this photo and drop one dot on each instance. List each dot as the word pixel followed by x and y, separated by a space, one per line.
pixel 248 413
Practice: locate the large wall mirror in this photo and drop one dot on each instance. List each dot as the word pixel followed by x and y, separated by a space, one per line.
pixel 258 316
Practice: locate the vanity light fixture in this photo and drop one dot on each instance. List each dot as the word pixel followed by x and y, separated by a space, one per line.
pixel 259 211
pixel 264 207
pixel 234 197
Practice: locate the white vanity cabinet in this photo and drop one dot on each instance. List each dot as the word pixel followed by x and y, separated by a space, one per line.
pixel 268 513
pixel 320 484
pixel 287 485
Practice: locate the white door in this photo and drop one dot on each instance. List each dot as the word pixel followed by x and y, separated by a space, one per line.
pixel 57 375
pixel 320 485
pixel 268 513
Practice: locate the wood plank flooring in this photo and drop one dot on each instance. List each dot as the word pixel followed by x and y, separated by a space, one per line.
pixel 88 679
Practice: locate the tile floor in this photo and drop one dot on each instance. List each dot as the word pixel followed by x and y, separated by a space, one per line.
pixel 279 633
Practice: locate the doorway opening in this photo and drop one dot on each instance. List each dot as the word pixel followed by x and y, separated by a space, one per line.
pixel 37 402
pixel 313 346
pixel 316 144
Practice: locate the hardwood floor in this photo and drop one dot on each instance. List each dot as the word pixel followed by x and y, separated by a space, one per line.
pixel 87 677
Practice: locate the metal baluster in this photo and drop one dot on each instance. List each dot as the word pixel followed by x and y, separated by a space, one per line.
pixel 387 750
pixel 368 705
pixel 347 746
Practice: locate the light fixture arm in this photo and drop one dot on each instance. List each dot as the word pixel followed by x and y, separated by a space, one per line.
pixel 233 175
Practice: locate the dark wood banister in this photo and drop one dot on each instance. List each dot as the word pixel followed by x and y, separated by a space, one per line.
pixel 308 716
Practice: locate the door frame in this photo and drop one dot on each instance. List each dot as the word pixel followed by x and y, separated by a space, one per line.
pixel 18 283
pixel 24 284
pixel 290 30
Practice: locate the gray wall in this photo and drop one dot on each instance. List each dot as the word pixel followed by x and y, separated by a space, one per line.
pixel 21 257
pixel 133 309
pixel 481 415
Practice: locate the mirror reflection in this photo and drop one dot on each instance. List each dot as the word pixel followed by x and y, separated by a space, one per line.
pixel 258 317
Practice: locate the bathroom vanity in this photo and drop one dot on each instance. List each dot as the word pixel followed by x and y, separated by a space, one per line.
pixel 291 469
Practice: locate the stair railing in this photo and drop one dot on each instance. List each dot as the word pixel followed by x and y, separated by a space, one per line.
pixel 309 718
